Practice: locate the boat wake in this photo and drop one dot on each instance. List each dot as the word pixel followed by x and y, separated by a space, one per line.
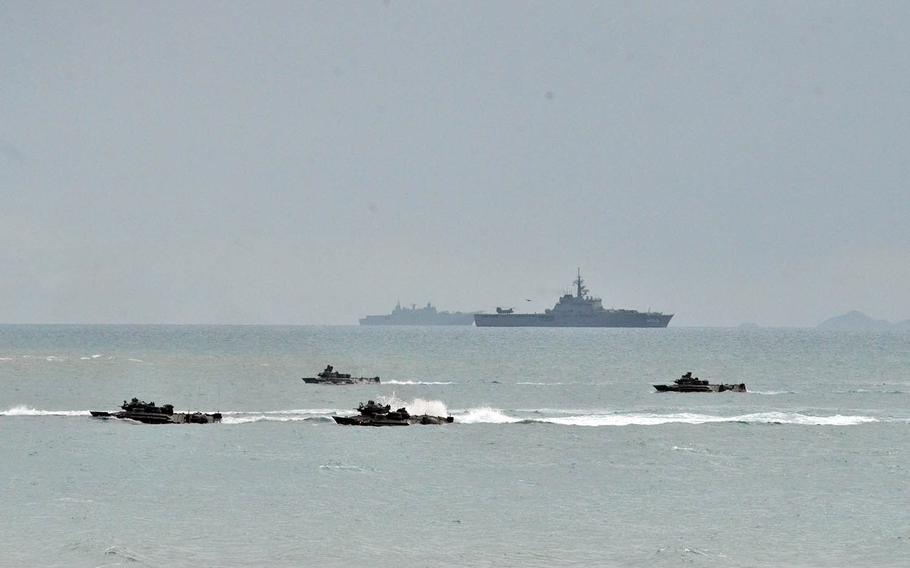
pixel 23 410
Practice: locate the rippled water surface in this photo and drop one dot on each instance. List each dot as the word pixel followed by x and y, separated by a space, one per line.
pixel 561 453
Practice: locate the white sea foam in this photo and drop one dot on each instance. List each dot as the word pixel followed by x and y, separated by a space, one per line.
pixel 23 410
pixel 301 411
pixel 136 360
pixel 496 416
pixel 485 415
pixel 6 358
pixel 418 383
pixel 247 419
pixel 540 384
pixel 770 393
pixel 561 411
pixel 338 466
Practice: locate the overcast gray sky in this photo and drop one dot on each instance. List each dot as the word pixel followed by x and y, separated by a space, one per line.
pixel 312 162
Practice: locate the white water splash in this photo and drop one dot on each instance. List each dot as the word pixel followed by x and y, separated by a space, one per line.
pixel 485 415
pixel 417 406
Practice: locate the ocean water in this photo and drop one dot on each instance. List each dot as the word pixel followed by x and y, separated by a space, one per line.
pixel 561 454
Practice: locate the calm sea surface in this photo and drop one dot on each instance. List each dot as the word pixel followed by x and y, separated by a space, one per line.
pixel 561 454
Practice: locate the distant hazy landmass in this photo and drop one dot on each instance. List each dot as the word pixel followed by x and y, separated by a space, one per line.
pixel 858 321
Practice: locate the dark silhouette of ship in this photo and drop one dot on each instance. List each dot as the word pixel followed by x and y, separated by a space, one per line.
pixel 332 377
pixel 148 413
pixel 373 414
pixel 688 383
pixel 579 310
pixel 427 315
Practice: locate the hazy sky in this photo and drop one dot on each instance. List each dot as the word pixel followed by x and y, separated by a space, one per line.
pixel 313 162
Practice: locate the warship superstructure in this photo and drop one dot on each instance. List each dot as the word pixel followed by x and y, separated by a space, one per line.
pixel 427 315
pixel 578 310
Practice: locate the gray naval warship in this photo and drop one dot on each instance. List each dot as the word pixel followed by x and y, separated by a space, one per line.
pixel 688 383
pixel 579 310
pixel 428 315
pixel 332 377
pixel 148 413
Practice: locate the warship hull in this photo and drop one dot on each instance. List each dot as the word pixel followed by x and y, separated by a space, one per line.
pixel 617 318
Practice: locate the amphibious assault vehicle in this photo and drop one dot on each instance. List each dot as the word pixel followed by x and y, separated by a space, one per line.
pixel 374 414
pixel 148 413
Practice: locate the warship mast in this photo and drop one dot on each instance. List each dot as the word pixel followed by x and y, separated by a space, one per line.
pixel 580 286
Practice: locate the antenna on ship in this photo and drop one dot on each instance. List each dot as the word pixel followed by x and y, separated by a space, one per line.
pixel 579 285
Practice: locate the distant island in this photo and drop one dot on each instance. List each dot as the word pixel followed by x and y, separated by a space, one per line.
pixel 858 321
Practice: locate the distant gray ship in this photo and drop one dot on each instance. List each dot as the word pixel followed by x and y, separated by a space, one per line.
pixel 419 316
pixel 579 310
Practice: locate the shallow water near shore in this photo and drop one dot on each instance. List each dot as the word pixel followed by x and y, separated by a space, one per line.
pixel 561 454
